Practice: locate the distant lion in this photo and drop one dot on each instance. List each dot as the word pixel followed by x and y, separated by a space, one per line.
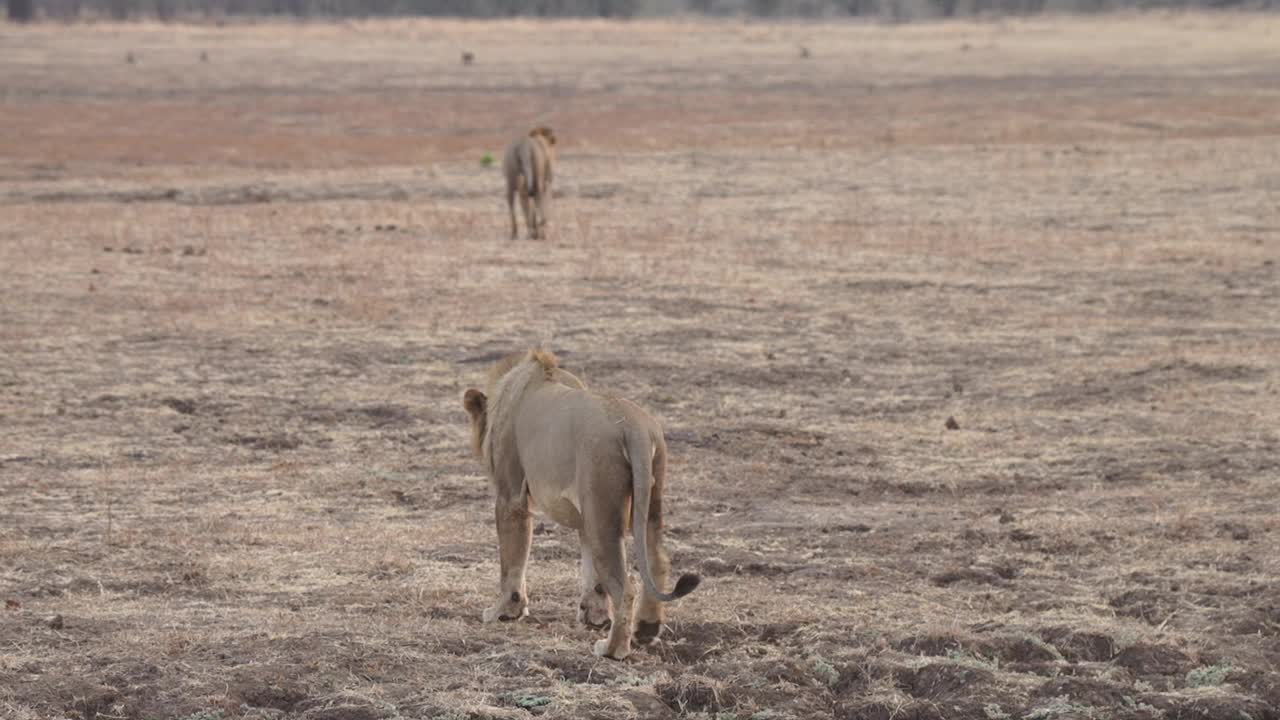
pixel 528 165
pixel 584 459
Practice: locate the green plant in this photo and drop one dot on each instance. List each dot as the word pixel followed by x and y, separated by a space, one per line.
pixel 826 672
pixel 486 160
pixel 960 657
pixel 526 701
pixel 1210 676
pixel 993 711
pixel 1057 707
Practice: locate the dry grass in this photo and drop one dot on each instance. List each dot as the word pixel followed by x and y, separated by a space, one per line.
pixel 242 299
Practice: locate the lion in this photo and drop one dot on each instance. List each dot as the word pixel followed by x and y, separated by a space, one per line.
pixel 592 462
pixel 528 165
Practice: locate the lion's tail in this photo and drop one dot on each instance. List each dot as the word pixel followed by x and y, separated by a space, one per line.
pixel 529 168
pixel 640 448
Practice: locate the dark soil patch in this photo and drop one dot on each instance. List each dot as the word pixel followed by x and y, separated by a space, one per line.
pixel 277 441
pixel 272 688
pixel 920 710
pixel 1210 706
pixel 1147 604
pixel 77 698
pixel 944 681
pixel 582 667
pixel 691 642
pixel 1262 620
pixel 1023 649
pixel 694 693
pixel 1080 646
pixel 1083 691
pixel 1145 659
pixel 788 670
pixel 184 407
pixel 345 712
pixel 975 575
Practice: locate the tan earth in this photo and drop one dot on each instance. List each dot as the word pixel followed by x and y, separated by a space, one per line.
pixel 965 336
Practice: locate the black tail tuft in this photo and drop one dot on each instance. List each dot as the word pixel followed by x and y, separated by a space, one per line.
pixel 685 585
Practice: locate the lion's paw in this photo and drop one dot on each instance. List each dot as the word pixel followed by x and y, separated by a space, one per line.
pixel 647 632
pixel 602 650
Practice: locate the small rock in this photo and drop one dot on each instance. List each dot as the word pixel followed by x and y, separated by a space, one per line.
pixel 54 622
pixel 952 424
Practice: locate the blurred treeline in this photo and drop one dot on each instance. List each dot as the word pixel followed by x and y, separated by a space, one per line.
pixel 887 9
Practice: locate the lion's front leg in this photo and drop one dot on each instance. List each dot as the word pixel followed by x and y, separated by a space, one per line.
pixel 515 531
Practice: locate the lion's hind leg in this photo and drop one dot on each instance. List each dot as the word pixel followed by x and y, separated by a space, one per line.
pixel 541 200
pixel 602 531
pixel 511 208
pixel 594 609
pixel 611 565
pixel 650 614
pixel 526 206
pixel 515 533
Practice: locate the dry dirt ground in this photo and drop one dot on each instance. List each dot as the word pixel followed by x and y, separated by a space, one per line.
pixel 966 338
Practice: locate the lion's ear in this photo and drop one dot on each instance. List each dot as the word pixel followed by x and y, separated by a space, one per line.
pixel 545 132
pixel 474 401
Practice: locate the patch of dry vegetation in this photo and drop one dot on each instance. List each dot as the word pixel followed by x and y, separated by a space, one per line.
pixel 240 308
